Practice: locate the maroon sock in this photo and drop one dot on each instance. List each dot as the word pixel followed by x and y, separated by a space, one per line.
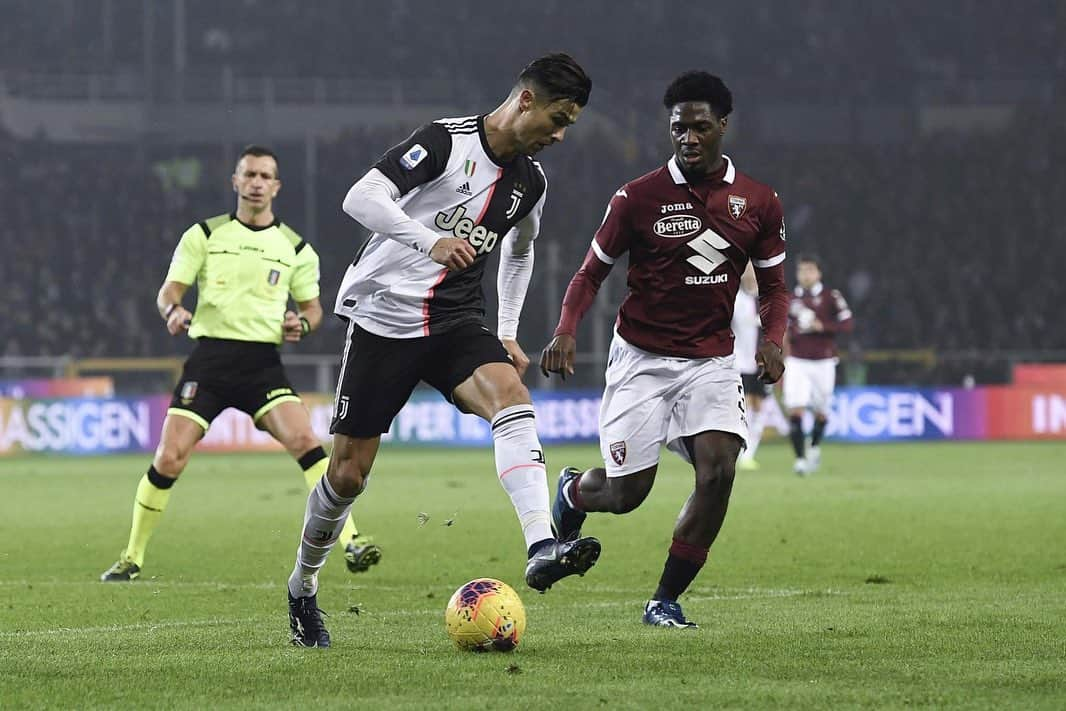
pixel 575 494
pixel 682 566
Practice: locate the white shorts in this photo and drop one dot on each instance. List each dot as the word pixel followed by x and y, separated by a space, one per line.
pixel 651 400
pixel 809 383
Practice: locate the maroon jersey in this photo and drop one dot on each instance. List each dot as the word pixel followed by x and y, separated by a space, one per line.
pixel 826 306
pixel 688 246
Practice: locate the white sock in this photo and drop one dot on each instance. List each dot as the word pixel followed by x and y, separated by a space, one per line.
pixel 520 466
pixel 755 433
pixel 323 521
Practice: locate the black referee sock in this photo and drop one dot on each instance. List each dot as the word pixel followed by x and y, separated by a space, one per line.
pixel 795 433
pixel 817 432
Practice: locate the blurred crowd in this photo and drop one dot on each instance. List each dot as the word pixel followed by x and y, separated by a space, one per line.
pixel 826 40
pixel 941 241
pixel 945 242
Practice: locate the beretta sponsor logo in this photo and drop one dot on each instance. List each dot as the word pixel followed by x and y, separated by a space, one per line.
pixel 677 226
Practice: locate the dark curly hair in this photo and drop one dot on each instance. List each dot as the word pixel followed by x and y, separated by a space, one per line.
pixel 700 86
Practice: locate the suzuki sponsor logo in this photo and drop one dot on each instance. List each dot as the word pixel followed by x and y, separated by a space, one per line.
pixel 704 280
pixel 677 226
pixel 480 238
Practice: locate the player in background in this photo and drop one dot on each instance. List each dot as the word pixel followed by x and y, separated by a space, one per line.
pixel 815 316
pixel 746 331
pixel 245 266
pixel 690 229
pixel 438 204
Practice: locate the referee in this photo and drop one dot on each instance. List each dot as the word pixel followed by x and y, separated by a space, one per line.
pixel 245 265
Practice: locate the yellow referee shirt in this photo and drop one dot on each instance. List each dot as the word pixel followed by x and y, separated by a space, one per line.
pixel 243 276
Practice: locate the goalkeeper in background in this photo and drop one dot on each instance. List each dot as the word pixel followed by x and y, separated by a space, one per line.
pixel 245 265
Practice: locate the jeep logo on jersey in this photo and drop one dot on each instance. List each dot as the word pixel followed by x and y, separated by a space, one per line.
pixel 677 226
pixel 478 236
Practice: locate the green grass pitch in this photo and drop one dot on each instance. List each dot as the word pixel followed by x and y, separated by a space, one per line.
pixel 920 575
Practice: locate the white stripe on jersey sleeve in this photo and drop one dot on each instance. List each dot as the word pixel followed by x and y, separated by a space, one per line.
pixel 767 263
pixel 601 254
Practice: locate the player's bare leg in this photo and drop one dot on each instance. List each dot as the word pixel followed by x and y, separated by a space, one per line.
pixel 290 424
pixel 176 442
pixel 713 455
pixel 495 393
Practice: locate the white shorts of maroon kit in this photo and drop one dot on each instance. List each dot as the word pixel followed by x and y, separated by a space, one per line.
pixel 809 383
pixel 650 400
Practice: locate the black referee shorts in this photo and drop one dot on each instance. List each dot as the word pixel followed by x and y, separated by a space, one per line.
pixel 379 374
pixel 223 373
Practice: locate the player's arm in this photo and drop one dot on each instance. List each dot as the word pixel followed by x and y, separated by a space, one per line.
pixel 185 265
pixel 372 200
pixel 768 257
pixel 612 240
pixel 842 322
pixel 512 281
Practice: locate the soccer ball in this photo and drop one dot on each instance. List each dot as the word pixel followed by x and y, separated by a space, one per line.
pixel 485 615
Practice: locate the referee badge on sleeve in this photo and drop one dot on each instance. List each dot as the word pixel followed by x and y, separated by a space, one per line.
pixel 188 392
pixel 273 276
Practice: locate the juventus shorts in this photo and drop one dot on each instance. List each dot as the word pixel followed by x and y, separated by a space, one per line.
pixel 378 374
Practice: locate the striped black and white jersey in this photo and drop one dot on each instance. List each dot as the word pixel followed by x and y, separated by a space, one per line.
pixel 450 182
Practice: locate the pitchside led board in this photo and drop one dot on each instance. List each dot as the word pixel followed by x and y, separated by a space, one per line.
pixel 97 425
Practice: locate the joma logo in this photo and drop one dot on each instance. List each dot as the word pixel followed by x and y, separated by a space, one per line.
pixel 463 227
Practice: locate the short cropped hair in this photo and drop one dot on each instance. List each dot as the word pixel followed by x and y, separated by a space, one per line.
pixel 258 151
pixel 558 76
pixel 810 259
pixel 700 86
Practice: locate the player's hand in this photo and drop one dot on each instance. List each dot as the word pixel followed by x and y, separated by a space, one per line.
pixel 518 356
pixel 452 252
pixel 291 328
pixel 558 356
pixel 771 362
pixel 179 320
pixel 817 326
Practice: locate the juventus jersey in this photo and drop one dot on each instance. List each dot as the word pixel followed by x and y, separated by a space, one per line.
pixel 451 182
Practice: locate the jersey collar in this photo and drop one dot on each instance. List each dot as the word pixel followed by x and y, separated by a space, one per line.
pixel 679 177
pixel 255 228
pixel 485 145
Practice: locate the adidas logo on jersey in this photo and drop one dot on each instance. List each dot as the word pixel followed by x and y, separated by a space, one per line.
pixel 464 189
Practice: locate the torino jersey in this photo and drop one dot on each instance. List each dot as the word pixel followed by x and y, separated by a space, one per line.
pixel 452 183
pixel 827 306
pixel 688 246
